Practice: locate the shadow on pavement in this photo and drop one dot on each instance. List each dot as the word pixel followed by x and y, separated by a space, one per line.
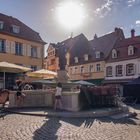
pixel 128 120
pixel 51 127
pixel 48 130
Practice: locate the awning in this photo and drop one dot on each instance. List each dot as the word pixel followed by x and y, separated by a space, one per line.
pixel 93 81
pixel 116 81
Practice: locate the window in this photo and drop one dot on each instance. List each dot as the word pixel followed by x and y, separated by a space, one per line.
pixel 75 70
pixel 18 48
pixel 33 52
pixel 70 70
pixel 52 61
pixel 51 53
pixel 114 53
pixel 86 57
pixel 82 69
pixel 33 67
pixel 109 71
pixel 91 68
pixel 98 67
pixel 1 24
pixel 97 54
pixel 2 45
pixel 76 59
pixel 130 50
pixel 16 29
pixel 119 70
pixel 130 69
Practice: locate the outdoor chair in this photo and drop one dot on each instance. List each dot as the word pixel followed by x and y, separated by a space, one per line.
pixel 4 95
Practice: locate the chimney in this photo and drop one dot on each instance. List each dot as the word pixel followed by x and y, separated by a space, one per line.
pixel 71 35
pixel 95 36
pixel 116 31
pixel 132 33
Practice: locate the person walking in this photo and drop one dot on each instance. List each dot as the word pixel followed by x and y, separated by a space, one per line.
pixel 19 94
pixel 58 94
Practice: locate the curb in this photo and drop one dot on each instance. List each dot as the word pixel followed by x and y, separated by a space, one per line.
pixel 80 114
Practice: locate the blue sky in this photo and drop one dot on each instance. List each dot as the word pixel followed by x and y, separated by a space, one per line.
pixel 102 16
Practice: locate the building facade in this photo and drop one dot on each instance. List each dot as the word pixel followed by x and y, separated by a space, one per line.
pixel 52 61
pixel 20 45
pixel 123 62
pixel 56 54
pixel 87 58
pixel 83 59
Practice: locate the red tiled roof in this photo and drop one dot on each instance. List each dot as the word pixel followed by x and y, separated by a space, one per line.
pixel 128 41
pixel 25 31
pixel 105 43
pixel 122 49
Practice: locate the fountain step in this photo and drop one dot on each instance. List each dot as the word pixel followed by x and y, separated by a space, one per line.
pixel 61 113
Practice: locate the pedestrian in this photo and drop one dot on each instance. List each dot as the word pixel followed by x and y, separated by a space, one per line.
pixel 19 94
pixel 58 94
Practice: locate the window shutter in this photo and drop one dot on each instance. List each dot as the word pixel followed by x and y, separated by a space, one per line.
pixel 7 46
pixel 39 67
pixel 24 49
pixel 12 47
pixel 29 50
pixel 39 54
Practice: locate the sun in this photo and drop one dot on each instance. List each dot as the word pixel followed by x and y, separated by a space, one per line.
pixel 70 15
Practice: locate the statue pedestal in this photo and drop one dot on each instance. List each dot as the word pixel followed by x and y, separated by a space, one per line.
pixel 62 76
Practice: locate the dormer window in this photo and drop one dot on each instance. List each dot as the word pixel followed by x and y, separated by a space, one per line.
pixel 1 24
pixel 130 50
pixel 76 59
pixel 16 29
pixel 98 54
pixel 114 53
pixel 86 57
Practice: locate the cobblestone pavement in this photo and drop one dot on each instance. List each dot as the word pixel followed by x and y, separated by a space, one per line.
pixel 23 127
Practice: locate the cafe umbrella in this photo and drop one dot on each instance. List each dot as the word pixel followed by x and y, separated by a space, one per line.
pixel 43 73
pixel 11 68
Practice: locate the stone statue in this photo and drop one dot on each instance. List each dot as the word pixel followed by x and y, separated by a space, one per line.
pixel 62 59
pixel 62 75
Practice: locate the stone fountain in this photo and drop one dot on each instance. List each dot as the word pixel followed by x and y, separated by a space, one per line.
pixel 70 92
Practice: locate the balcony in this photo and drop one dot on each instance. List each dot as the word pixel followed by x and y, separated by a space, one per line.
pixel 51 67
pixel 86 74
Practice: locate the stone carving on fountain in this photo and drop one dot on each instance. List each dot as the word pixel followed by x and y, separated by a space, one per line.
pixel 62 74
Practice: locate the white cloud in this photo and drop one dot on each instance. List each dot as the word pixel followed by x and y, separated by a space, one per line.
pixel 104 9
pixel 131 2
pixel 137 22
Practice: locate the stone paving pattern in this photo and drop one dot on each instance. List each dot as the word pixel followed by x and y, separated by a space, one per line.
pixel 25 127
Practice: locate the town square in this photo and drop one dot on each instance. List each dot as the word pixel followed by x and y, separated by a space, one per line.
pixel 70 70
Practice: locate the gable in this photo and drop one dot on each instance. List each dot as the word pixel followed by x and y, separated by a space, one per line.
pixel 50 48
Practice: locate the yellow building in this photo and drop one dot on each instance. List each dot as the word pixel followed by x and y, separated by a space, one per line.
pixel 19 44
pixel 52 61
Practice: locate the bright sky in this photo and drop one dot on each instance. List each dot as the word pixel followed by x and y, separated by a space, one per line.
pixel 99 16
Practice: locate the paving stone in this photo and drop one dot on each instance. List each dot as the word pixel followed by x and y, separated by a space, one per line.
pixel 25 127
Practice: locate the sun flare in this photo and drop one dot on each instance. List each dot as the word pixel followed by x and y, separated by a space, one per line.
pixel 70 15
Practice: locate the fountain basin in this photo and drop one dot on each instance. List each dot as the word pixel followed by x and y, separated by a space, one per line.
pixel 44 98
